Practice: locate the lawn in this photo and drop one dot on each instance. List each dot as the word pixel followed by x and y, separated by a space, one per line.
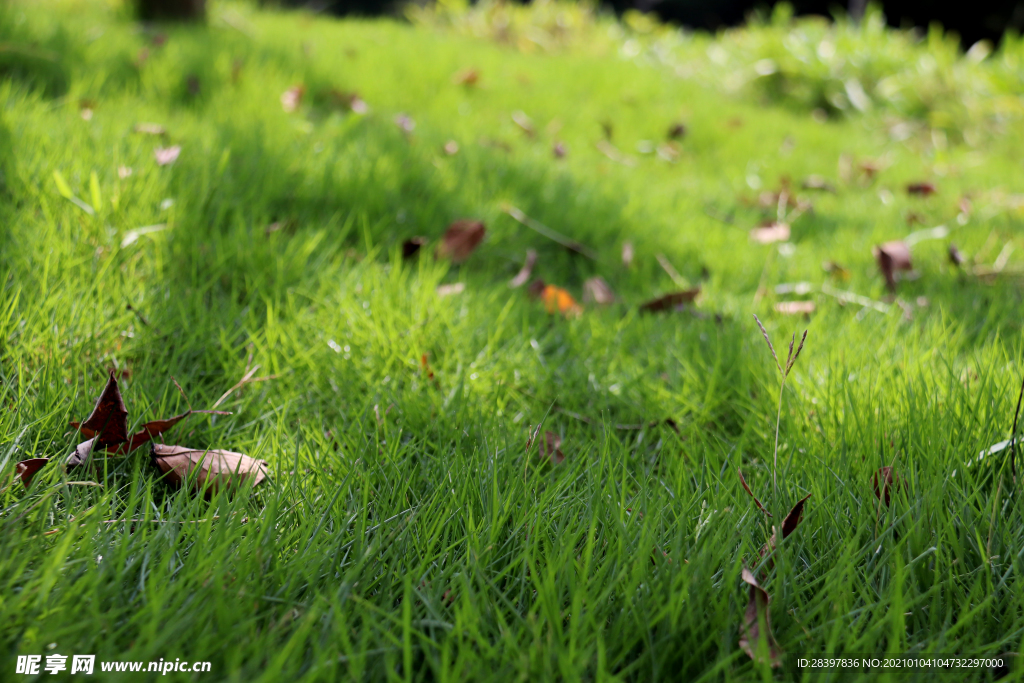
pixel 415 525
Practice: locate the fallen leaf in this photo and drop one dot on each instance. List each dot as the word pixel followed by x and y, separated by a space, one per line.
pixel 523 121
pixel 795 307
pixel 923 189
pixel 412 246
pixel 557 300
pixel 467 77
pixel 167 155
pixel 559 150
pixel 770 232
pixel 795 516
pixel 750 632
pixel 524 273
pixel 26 469
pixel 627 254
pixel 596 290
pixel 80 455
pixel 216 469
pixel 153 429
pixel 676 131
pixel 451 148
pixel 817 182
pixel 955 257
pixel 109 418
pixel 751 493
pixel 150 129
pixel 892 257
pixel 884 481
pixel 405 123
pixel 460 239
pixel 292 98
pixel 449 290
pixel 670 302
pixel 549 447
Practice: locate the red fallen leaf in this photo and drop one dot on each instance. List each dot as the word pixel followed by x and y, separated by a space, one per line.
pixel 750 631
pixel 167 155
pixel 292 98
pixel 411 246
pixel 26 469
pixel 549 446
pixel 884 481
pixel 795 516
pixel 557 300
pixel 751 493
pixel 108 419
pixel 559 150
pixel 676 131
pixel 923 189
pixel 524 273
pixel 460 239
pixel 216 469
pixel 467 77
pixel 596 290
pixel 955 257
pixel 795 307
pixel 670 302
pixel 770 232
pixel 892 257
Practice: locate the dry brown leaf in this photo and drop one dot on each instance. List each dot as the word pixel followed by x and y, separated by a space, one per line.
pixel 795 307
pixel 670 302
pixel 884 481
pixel 557 300
pixel 770 232
pixel 292 98
pixel 549 447
pixel 109 417
pixel 751 629
pixel 922 189
pixel 795 516
pixel 596 290
pixel 216 469
pixel 524 273
pixel 751 493
pixel 467 77
pixel 26 469
pixel 460 239
pixel 892 257
pixel 676 131
pixel 411 246
pixel 167 155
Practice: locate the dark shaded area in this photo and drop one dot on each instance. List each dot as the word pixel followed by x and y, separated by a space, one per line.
pixel 172 10
pixel 984 20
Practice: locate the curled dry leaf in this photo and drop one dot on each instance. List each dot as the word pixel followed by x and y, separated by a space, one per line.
pixel 885 481
pixel 892 257
pixel 167 155
pixel 922 189
pixel 770 232
pixel 460 240
pixel 670 302
pixel 26 469
pixel 795 307
pixel 109 418
pixel 292 98
pixel 751 493
pixel 216 469
pixel 751 631
pixel 789 525
pixel 411 246
pixel 596 290
pixel 524 273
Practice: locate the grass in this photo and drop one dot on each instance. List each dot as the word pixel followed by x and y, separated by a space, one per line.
pixel 405 533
